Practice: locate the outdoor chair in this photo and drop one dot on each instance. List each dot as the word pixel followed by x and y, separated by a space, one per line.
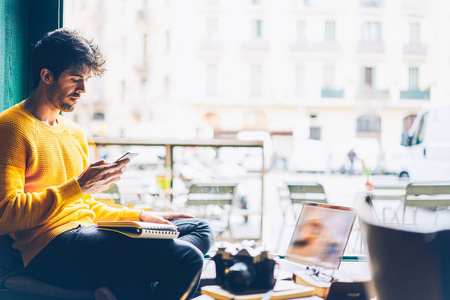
pixel 299 192
pixel 213 202
pixel 434 195
pixel 406 263
pixel 391 194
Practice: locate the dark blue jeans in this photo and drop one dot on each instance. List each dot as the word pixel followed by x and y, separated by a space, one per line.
pixel 87 257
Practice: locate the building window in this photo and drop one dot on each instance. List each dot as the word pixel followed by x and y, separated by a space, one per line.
pixel 301 31
pixel 257 29
pixel 368 123
pixel 211 80
pixel 255 80
pixel 212 29
pixel 371 3
pixel 299 81
pixel 368 126
pixel 371 32
pixel 315 133
pixel 166 87
pixel 328 77
pixel 167 40
pixel 413 79
pixel 368 78
pixel 414 33
pixel 330 31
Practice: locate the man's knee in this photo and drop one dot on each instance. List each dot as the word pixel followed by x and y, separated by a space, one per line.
pixel 197 232
pixel 204 229
pixel 189 258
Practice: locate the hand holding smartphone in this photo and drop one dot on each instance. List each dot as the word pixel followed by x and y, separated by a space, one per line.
pixel 126 155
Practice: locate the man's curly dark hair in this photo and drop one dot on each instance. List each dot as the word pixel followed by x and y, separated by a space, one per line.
pixel 63 49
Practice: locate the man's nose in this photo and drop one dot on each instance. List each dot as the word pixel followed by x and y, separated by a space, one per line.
pixel 81 87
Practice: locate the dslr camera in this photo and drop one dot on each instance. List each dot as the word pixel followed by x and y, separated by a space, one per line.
pixel 241 269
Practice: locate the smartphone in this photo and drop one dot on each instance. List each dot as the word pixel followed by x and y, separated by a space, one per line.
pixel 126 155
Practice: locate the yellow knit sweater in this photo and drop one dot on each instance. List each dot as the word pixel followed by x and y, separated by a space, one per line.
pixel 39 197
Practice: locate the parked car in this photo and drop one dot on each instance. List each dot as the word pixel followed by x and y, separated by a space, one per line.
pixel 427 146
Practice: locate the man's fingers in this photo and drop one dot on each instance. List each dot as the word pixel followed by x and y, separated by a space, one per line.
pixel 178 216
pixel 98 163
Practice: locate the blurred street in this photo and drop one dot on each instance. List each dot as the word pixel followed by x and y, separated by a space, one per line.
pixel 341 189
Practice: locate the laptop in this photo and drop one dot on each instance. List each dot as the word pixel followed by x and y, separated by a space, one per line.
pixel 319 238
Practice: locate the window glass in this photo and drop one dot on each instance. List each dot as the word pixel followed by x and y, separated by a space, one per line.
pixel 418 135
pixel 257 29
pixel 193 70
pixel 371 3
pixel 212 29
pixel 414 79
pixel 371 32
pixel 211 80
pixel 255 80
pixel 328 77
pixel 330 31
pixel 299 81
pixel 301 31
pixel 414 33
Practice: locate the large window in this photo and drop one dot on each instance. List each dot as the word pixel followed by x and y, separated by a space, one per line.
pixel 188 70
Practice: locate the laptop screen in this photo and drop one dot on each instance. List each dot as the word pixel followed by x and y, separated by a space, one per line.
pixel 321 235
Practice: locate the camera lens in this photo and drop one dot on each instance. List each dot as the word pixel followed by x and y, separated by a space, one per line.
pixel 239 277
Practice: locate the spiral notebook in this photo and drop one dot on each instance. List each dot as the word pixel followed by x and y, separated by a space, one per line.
pixel 143 230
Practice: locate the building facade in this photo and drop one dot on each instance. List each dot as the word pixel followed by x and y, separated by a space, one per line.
pixel 331 70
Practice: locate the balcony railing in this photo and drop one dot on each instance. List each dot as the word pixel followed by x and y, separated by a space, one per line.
pixel 374 94
pixel 256 45
pixel 370 47
pixel 416 5
pixel 213 46
pixel 332 93
pixel 415 94
pixel 318 4
pixel 415 49
pixel 371 3
pixel 328 46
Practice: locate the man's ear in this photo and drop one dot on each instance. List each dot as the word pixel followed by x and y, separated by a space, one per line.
pixel 47 76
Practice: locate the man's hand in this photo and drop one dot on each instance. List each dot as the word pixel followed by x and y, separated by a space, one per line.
pixel 99 176
pixel 162 217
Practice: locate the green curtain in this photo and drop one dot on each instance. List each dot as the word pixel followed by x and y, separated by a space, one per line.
pixel 22 24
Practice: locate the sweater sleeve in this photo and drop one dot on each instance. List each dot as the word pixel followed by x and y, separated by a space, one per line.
pixel 20 211
pixel 104 212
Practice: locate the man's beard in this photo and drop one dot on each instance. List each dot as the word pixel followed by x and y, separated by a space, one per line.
pixel 58 99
